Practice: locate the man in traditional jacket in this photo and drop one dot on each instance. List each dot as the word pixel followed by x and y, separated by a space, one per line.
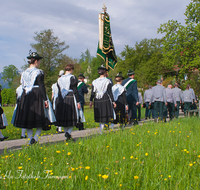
pixel 159 99
pixel 130 85
pixel 187 99
pixel 140 100
pixel 171 102
pixel 82 89
pixel 147 100
pixel 178 98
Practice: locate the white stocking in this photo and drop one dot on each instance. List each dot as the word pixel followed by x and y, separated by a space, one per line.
pixel 23 132
pixel 37 133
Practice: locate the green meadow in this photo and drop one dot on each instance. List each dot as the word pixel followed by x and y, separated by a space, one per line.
pixel 150 156
pixel 15 133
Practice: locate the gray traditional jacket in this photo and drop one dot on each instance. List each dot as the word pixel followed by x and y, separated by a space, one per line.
pixel 177 94
pixel 159 94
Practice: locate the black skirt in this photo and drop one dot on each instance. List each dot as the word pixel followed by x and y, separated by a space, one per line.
pixel 65 112
pixel 1 123
pixel 30 111
pixel 120 111
pixel 103 110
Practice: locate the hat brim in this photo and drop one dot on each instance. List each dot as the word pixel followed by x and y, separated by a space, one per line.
pixel 120 77
pixel 36 57
pixel 102 68
pixel 132 73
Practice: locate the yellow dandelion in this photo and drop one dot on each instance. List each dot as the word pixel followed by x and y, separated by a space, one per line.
pixel 70 177
pixel 72 169
pixel 120 185
pixel 165 179
pixel 169 176
pixel 58 151
pixel 198 156
pixel 69 153
pixel 104 176
pixel 87 167
pixel 131 157
pixel 66 143
pixel 191 164
pixel 124 158
pixel 20 167
pixel 99 175
pixel 36 179
pixel 146 154
pixel 86 177
pixel 136 177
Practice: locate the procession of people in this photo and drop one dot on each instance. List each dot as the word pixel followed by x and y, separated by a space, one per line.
pixel 114 104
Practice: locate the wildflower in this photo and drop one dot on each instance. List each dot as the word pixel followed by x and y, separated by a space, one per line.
pixel 58 151
pixel 36 179
pixel 191 164
pixel 165 179
pixel 99 175
pixel 87 167
pixel 146 154
pixel 120 185
pixel 104 176
pixel 169 176
pixel 136 177
pixel 116 173
pixel 131 157
pixel 72 169
pixel 69 153
pixel 66 143
pixel 123 158
pixel 20 167
pixel 86 177
pixel 70 177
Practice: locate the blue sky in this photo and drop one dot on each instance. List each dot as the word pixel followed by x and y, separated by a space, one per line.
pixel 76 23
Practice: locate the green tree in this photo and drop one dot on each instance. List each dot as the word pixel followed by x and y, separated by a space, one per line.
pixel 51 49
pixel 145 59
pixel 9 73
pixel 181 43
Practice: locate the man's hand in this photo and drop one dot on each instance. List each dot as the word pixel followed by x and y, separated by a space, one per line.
pixel 175 105
pixel 114 105
pixel 137 103
pixel 126 107
pixel 166 103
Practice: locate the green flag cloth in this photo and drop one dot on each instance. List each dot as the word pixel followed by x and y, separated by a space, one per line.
pixel 105 45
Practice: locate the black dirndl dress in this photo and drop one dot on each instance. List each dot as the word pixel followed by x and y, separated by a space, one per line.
pixel 30 108
pixel 103 107
pixel 1 116
pixel 66 109
pixel 120 110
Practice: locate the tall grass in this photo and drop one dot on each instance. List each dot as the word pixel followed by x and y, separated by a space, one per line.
pixel 151 156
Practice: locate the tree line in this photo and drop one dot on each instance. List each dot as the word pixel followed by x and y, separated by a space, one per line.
pixel 171 58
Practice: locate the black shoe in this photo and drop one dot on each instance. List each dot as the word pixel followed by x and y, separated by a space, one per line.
pixel 67 135
pixel 33 141
pixel 23 137
pixel 4 138
pixel 145 117
pixel 139 119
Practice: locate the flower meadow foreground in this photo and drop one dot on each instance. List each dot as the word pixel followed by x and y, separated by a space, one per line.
pixel 151 156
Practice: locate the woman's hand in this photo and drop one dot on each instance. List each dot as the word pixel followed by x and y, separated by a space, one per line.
pixel 79 106
pixel 114 105
pixel 90 105
pixel 46 104
pixel 126 107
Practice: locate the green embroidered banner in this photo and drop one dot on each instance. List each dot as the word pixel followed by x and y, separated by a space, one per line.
pixel 105 45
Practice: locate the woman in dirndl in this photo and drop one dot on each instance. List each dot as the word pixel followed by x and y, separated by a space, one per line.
pixel 119 94
pixel 103 99
pixel 33 107
pixel 67 103
pixel 3 120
